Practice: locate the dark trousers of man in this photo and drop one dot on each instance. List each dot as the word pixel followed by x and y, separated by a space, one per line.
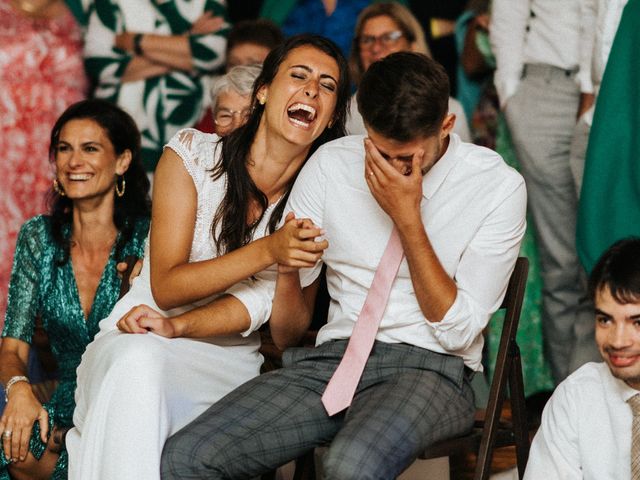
pixel 407 399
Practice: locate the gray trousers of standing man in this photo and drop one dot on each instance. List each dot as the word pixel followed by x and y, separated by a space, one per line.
pixel 541 116
pixel 407 399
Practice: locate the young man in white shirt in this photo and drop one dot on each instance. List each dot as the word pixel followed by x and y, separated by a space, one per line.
pixel 459 211
pixel 586 429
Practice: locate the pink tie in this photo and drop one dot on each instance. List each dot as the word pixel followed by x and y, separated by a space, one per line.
pixel 342 386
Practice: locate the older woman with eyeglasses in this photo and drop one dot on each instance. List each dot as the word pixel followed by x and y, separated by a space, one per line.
pixel 383 29
pixel 231 98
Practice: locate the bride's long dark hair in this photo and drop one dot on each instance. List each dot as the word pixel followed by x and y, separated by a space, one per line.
pixel 231 216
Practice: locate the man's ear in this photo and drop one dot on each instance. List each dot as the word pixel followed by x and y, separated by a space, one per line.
pixel 447 124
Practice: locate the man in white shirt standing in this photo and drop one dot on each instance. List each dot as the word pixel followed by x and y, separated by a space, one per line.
pixel 588 426
pixel 537 49
pixel 459 212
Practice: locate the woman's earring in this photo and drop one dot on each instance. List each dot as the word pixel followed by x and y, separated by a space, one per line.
pixel 58 188
pixel 120 191
pixel 262 100
pixel 330 124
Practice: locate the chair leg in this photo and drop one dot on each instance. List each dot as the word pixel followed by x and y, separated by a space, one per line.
pixel 305 467
pixel 518 411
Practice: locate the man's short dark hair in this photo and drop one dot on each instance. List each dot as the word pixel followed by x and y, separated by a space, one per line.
pixel 404 96
pixel 618 270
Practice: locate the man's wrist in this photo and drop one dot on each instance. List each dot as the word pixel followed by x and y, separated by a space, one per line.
pixel 178 325
pixel 408 221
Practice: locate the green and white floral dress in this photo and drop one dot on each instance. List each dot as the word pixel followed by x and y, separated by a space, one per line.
pixel 164 104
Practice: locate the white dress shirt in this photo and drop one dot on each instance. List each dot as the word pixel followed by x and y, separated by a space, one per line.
pixel 586 429
pixel 473 210
pixel 533 31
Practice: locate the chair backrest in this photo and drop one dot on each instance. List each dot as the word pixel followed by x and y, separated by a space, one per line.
pixel 508 370
pixel 490 432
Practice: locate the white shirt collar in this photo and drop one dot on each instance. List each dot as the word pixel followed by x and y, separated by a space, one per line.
pixel 435 177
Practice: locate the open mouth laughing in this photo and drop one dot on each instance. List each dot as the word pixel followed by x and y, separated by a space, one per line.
pixel 301 115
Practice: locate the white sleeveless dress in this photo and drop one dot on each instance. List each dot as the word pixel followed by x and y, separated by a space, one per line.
pixel 136 390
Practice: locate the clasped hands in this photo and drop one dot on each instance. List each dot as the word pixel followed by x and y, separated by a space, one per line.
pixel 297 244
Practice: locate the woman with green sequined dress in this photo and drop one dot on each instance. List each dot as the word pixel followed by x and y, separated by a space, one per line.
pixel 65 274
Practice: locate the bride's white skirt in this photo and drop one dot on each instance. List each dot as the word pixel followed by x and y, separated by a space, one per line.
pixel 136 390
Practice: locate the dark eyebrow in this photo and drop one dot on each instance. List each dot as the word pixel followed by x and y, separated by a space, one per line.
pixel 310 70
pixel 605 314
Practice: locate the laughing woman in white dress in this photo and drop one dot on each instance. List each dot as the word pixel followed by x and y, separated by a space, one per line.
pixel 216 205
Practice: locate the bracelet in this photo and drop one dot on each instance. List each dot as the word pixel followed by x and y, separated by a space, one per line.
pixel 12 381
pixel 137 44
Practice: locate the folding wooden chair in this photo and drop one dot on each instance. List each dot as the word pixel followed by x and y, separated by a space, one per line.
pixel 490 431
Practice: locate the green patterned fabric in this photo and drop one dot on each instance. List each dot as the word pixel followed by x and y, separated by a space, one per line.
pixel 41 287
pixel 535 368
pixel 164 104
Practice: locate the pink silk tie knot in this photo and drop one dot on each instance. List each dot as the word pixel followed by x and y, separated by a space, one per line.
pixel 342 386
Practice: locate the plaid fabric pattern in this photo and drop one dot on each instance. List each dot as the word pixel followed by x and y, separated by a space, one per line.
pixel 408 398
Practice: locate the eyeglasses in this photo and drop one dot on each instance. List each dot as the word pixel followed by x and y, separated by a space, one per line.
pixel 386 39
pixel 224 117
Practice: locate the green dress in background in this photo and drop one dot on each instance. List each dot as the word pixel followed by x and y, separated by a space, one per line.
pixel 39 287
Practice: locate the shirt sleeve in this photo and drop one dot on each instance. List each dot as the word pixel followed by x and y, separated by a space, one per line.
pixel 208 51
pixel 507 35
pixel 491 254
pixel 307 201
pixel 105 63
pixel 24 286
pixel 587 38
pixel 554 451
pixel 256 294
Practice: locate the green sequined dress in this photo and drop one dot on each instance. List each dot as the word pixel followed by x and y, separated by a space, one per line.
pixel 41 287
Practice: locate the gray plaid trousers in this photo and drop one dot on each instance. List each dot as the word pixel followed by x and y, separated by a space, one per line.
pixel 407 399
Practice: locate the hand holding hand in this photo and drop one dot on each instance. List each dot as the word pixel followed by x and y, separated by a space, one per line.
pixel 293 246
pixel 16 424
pixel 398 194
